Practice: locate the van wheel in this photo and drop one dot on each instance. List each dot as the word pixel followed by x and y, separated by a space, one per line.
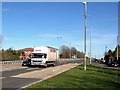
pixel 29 65
pixel 54 64
pixel 45 65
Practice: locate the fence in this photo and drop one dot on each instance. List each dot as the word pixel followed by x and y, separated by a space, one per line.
pixel 10 62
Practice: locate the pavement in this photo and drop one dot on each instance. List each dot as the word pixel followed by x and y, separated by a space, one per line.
pixel 21 77
pixel 11 67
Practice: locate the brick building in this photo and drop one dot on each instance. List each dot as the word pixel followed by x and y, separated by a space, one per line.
pixel 28 52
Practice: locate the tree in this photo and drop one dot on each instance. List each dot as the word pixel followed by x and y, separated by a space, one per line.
pixel 64 52
pixel 80 54
pixel 11 54
pixel 73 51
pixel 112 55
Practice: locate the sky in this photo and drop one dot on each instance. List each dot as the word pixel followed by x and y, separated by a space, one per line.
pixel 26 24
pixel 119 23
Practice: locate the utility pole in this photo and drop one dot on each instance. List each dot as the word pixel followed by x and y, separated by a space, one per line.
pixel 70 51
pixel 90 39
pixel 105 50
pixel 84 2
pixel 76 53
pixel 59 45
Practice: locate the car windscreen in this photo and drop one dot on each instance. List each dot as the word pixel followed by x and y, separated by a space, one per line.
pixel 25 60
pixel 39 55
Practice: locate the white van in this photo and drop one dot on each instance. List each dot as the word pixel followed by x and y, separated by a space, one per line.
pixel 44 55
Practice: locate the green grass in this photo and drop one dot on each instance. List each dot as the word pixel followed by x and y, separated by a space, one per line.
pixel 93 77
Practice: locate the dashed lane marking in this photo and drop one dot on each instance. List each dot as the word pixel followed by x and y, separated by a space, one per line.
pixel 2 77
pixel 56 69
pixel 32 69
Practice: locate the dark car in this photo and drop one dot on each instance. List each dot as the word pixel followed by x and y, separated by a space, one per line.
pixel 102 61
pixel 115 63
pixel 26 62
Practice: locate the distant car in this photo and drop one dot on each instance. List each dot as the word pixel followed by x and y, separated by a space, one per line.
pixel 102 61
pixel 96 60
pixel 26 62
pixel 114 63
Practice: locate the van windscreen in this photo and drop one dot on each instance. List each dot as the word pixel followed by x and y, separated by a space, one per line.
pixel 39 55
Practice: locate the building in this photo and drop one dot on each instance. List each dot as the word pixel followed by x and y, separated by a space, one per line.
pixel 28 52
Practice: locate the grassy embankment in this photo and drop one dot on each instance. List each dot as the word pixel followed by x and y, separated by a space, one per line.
pixel 93 77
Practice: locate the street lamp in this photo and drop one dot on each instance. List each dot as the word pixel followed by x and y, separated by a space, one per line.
pixel 84 2
pixel 70 52
pixel 90 38
pixel 77 51
pixel 59 44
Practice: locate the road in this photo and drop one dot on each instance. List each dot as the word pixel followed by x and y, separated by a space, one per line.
pixel 105 66
pixel 18 78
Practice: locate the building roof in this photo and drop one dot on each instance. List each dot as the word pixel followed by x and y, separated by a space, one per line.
pixel 28 49
pixel 52 47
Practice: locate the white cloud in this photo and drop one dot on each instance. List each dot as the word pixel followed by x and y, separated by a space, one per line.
pixel 99 41
pixel 104 39
pixel 5 9
pixel 6 38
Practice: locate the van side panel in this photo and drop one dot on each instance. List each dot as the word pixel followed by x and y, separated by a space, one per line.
pixel 52 54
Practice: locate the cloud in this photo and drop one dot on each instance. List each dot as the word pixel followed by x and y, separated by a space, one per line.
pixel 104 39
pixel 5 9
pixel 99 41
pixel 6 38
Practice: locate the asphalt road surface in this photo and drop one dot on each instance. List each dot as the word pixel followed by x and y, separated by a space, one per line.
pixel 13 83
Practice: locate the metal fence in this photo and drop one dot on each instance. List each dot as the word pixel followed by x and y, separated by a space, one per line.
pixel 10 62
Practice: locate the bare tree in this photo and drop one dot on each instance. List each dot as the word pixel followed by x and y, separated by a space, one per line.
pixel 73 51
pixel 64 51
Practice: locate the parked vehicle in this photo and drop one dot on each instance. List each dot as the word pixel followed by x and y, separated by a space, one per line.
pixel 113 63
pixel 97 60
pixel 26 62
pixel 44 55
pixel 102 61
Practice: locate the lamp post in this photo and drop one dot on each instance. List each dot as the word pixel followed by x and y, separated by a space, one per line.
pixel 90 38
pixel 70 52
pixel 59 45
pixel 84 2
pixel 77 51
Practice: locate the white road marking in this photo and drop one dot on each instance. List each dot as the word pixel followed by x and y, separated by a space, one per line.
pixel 56 69
pixel 32 69
pixel 2 77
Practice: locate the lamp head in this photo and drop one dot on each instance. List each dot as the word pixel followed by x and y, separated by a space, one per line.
pixel 84 2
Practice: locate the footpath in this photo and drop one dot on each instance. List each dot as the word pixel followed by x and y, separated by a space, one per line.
pixel 45 73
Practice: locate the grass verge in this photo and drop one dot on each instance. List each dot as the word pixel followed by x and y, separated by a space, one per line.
pixel 93 77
